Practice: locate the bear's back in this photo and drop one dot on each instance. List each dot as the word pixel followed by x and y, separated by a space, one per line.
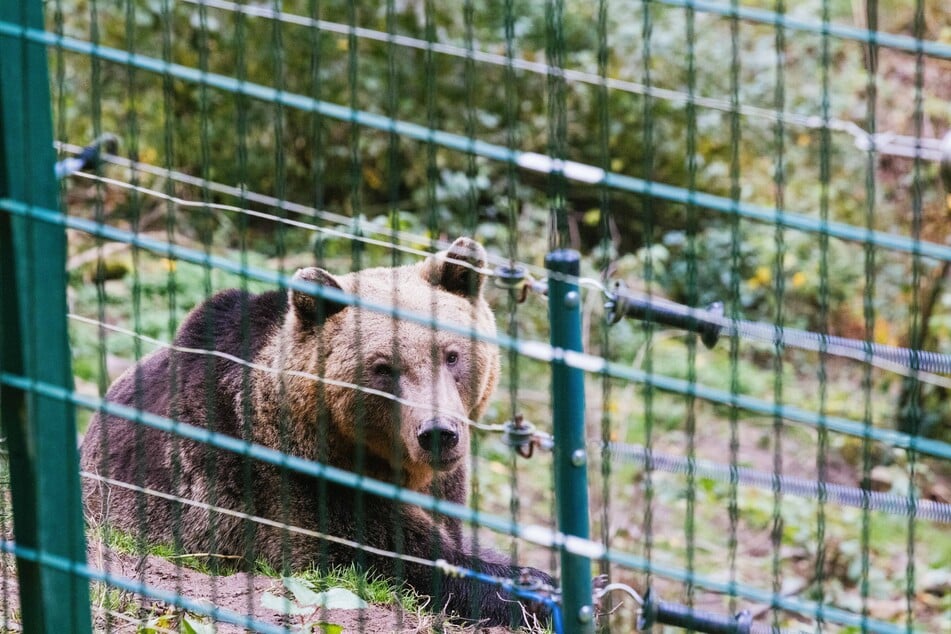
pixel 185 384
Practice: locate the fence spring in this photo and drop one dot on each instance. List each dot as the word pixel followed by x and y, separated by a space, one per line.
pixel 837 493
pixel 710 324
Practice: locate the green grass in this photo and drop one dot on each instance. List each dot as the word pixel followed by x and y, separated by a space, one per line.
pixel 126 543
pixel 370 587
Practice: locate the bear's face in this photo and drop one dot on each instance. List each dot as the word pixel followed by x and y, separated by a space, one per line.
pixel 404 391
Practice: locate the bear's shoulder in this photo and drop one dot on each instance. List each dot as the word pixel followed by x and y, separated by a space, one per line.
pixel 234 322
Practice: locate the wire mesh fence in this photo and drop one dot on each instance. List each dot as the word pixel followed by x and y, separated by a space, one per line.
pixel 683 370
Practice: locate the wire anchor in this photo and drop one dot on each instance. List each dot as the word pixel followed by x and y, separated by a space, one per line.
pixel 89 158
pixel 516 278
pixel 655 611
pixel 622 304
pixel 523 437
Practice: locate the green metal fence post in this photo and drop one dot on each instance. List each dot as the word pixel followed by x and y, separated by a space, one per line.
pixel 571 475
pixel 40 430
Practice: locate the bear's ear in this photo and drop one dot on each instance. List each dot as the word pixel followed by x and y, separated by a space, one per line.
pixel 458 269
pixel 314 310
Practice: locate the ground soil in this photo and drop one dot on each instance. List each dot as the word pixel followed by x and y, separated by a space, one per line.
pixel 238 594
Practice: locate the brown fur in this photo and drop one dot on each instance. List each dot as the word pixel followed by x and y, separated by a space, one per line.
pixel 442 380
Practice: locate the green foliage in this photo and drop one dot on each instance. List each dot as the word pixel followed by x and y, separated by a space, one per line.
pixel 380 183
pixel 308 605
pixel 372 177
pixel 138 545
pixel 368 587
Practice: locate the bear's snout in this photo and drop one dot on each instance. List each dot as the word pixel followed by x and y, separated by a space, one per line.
pixel 439 437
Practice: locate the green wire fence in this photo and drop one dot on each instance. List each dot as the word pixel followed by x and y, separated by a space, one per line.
pixel 643 175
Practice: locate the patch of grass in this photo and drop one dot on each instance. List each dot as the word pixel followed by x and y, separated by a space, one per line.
pixel 106 597
pixel 126 543
pixel 368 586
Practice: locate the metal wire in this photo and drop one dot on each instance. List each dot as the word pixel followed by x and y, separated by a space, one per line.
pixel 900 360
pixel 531 349
pixel 785 21
pixel 849 496
pixel 890 503
pixel 538 535
pixel 535 162
pixel 558 169
pixel 538 286
pixel 428 407
pixel 882 143
pixel 711 323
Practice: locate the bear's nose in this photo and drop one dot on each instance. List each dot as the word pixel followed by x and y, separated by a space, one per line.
pixel 437 436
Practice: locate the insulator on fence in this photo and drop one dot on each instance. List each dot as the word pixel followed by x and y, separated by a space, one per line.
pixel 625 304
pixel 654 611
pixel 89 157
pixel 512 278
pixel 517 278
pixel 520 435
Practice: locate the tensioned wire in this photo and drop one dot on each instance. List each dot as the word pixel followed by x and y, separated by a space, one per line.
pixel 909 363
pixel 533 349
pixel 174 598
pixel 883 142
pixel 821 491
pixel 850 496
pixel 532 161
pixel 539 535
pixel 270 201
pixel 841 31
pixel 433 563
pixel 886 357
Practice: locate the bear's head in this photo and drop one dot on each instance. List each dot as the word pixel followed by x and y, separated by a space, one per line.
pixel 397 392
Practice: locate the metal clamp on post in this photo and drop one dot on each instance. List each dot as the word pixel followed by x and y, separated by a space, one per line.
pixel 654 611
pixel 625 304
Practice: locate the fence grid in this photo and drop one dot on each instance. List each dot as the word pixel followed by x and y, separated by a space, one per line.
pixel 39 400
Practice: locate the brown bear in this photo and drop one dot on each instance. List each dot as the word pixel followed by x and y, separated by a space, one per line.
pixel 347 386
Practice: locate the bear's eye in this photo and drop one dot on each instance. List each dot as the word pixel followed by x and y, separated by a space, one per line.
pixel 383 370
pixel 452 358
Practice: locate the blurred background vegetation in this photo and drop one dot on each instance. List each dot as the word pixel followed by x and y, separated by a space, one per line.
pixel 378 183
pixel 696 256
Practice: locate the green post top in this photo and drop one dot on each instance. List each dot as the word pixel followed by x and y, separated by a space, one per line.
pixel 570 459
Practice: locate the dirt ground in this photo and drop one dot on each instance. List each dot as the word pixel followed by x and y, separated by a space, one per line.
pixel 238 594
